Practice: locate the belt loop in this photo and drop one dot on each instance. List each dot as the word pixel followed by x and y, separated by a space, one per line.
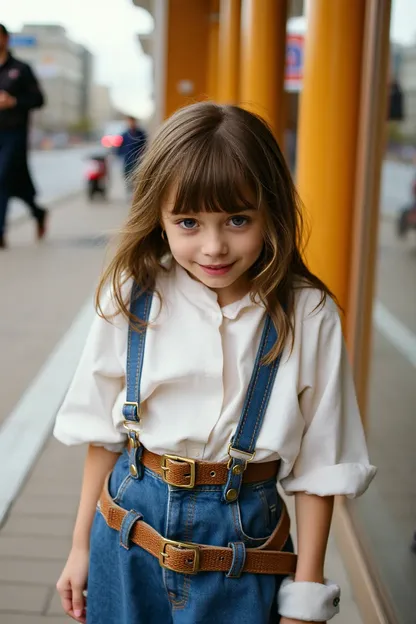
pixel 129 521
pixel 135 456
pixel 239 559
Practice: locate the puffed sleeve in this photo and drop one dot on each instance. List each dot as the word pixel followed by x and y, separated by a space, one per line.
pixel 333 456
pixel 87 414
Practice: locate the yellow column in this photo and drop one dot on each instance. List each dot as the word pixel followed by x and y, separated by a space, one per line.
pixel 229 51
pixel 213 49
pixel 327 139
pixel 262 60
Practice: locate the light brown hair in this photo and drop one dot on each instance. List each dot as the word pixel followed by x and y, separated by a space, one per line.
pixel 217 158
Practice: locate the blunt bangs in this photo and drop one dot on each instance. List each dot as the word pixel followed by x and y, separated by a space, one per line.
pixel 214 179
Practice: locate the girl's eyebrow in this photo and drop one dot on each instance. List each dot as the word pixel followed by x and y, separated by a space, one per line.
pixel 237 210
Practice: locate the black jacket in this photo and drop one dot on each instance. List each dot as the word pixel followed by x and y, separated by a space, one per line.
pixel 19 81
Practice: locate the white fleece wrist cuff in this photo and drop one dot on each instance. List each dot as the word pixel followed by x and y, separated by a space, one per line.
pixel 310 602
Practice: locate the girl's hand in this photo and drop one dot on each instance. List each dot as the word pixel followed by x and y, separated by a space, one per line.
pixel 72 583
pixel 289 621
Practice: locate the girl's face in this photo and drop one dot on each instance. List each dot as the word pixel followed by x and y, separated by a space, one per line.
pixel 217 248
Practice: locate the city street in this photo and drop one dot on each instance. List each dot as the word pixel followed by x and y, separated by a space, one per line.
pixel 43 323
pixel 396 186
pixel 56 173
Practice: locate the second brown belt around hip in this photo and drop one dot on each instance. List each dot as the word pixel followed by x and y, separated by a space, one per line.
pixel 188 473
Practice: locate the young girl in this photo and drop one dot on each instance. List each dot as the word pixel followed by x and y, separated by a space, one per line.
pixel 215 366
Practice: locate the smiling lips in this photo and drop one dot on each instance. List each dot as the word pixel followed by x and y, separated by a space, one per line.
pixel 216 269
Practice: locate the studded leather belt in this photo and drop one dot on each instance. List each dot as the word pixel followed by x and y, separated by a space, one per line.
pixel 184 472
pixel 190 558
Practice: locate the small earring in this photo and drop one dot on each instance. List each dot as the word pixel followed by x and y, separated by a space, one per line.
pixel 163 235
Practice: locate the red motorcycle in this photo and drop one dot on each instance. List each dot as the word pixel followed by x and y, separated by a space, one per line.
pixel 96 174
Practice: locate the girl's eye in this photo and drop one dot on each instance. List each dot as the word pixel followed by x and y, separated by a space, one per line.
pixel 238 221
pixel 187 224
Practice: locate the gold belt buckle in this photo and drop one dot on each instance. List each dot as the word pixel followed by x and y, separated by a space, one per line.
pixel 163 555
pixel 165 469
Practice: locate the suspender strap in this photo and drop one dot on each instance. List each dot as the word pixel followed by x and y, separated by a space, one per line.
pixel 243 443
pixel 140 305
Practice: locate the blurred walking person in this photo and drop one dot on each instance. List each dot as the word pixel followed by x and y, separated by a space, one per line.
pixel 19 93
pixel 133 144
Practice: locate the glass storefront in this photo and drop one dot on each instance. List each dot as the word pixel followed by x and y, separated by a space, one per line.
pixel 385 518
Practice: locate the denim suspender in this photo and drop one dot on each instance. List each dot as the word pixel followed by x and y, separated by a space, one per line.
pixel 140 306
pixel 242 447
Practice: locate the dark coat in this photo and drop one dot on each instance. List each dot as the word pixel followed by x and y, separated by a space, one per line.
pixel 132 147
pixel 19 81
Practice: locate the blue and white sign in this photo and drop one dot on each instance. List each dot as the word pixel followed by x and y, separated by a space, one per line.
pixel 23 41
pixel 294 62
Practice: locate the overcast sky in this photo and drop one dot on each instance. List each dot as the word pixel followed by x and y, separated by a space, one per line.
pixel 109 29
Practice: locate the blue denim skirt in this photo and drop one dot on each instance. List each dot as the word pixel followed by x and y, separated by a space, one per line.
pixel 129 586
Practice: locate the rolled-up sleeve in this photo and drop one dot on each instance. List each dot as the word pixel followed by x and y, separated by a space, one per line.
pixel 333 457
pixel 86 414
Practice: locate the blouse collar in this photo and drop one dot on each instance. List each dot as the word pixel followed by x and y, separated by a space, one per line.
pixel 205 298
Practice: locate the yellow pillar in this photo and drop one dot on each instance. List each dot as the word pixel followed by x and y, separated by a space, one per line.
pixel 229 51
pixel 328 129
pixel 262 60
pixel 213 50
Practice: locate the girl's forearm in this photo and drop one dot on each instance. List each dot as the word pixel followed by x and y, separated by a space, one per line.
pixel 313 520
pixel 98 464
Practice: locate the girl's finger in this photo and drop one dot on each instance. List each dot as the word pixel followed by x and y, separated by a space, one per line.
pixel 78 602
pixel 66 599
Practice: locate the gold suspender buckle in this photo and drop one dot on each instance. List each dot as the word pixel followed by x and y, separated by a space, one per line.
pixel 246 457
pixel 127 424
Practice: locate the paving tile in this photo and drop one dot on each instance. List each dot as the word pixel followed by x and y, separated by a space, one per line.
pixel 54 606
pixel 21 618
pixel 22 547
pixel 16 524
pixel 23 598
pixel 45 505
pixel 42 487
pixel 29 571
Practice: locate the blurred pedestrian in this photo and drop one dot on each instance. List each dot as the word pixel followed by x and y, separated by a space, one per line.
pixel 19 93
pixel 131 149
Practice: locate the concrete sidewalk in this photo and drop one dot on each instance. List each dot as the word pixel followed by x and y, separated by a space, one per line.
pixel 46 286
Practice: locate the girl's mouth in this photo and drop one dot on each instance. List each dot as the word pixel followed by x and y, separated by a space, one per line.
pixel 216 269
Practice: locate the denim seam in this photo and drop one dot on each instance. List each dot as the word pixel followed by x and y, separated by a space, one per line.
pixel 180 604
pixel 164 571
pixel 122 488
pixel 238 524
pixel 265 505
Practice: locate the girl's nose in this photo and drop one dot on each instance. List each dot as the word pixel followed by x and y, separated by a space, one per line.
pixel 214 245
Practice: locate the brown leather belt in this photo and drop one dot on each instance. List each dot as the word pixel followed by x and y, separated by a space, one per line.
pixel 187 473
pixel 189 558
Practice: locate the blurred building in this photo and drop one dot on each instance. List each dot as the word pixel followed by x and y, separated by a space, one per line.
pixel 65 70
pixel 87 69
pixel 102 109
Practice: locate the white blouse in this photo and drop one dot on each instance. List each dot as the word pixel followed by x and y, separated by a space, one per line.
pixel 197 366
